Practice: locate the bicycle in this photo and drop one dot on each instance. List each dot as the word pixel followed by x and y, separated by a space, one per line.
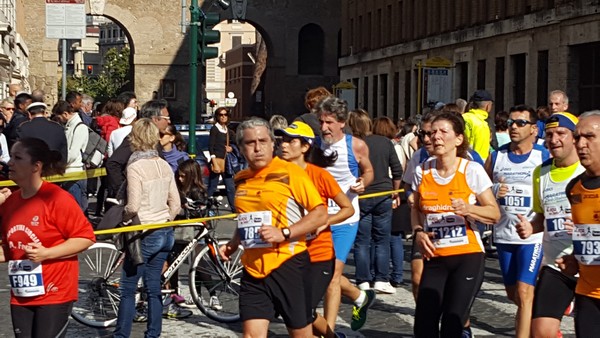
pixel 209 275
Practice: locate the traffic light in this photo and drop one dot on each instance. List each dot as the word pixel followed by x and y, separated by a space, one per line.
pixel 208 35
pixel 90 69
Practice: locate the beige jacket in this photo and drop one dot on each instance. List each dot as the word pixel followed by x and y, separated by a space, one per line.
pixel 151 191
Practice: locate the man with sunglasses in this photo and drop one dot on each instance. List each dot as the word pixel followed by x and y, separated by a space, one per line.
pixel 554 290
pixel 510 168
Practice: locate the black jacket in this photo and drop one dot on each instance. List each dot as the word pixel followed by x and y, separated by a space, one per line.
pixel 217 141
pixel 10 131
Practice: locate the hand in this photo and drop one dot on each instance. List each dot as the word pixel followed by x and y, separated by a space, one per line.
pixel 424 243
pixel 568 223
pixel 271 234
pixel 502 188
pixel 36 252
pixel 228 149
pixel 568 265
pixel 359 187
pixel 411 200
pixel 4 194
pixel 396 201
pixel 524 227
pixel 226 250
pixel 460 207
pixel 323 227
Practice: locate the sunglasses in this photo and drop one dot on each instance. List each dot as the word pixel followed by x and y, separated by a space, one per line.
pixel 423 133
pixel 164 134
pixel 519 122
pixel 165 117
pixel 9 108
pixel 223 114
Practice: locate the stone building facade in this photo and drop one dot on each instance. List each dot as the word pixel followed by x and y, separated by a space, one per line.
pixel 518 50
pixel 160 49
pixel 14 51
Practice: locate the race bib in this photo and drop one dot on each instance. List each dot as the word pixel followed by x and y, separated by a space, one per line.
pixel 517 200
pixel 332 207
pixel 448 229
pixel 26 278
pixel 248 226
pixel 586 243
pixel 556 229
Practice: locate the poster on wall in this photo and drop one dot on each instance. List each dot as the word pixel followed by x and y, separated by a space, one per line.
pixel 437 85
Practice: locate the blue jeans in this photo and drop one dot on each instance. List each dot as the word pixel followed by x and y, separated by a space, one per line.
pixel 155 249
pixel 397 253
pixel 79 192
pixel 375 225
pixel 213 182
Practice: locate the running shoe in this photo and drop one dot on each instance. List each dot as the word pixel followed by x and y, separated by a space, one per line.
pixel 172 311
pixel 189 303
pixel 214 303
pixel 384 287
pixel 364 286
pixel 141 313
pixel 359 314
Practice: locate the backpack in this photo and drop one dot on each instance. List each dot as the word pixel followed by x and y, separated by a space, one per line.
pixel 95 150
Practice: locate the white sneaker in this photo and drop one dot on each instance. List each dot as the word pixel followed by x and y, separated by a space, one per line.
pixel 215 303
pixel 364 286
pixel 384 287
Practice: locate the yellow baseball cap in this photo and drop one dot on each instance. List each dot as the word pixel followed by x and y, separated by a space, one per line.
pixel 298 129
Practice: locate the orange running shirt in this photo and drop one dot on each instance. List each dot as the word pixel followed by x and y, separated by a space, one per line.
pixel 284 189
pixel 453 235
pixel 585 210
pixel 321 247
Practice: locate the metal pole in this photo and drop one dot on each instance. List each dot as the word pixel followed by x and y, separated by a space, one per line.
pixel 194 17
pixel 64 69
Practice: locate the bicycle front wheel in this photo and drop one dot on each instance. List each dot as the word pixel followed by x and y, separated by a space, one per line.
pixel 214 290
pixel 99 296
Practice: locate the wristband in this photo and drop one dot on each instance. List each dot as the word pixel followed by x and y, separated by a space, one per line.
pixel 417 231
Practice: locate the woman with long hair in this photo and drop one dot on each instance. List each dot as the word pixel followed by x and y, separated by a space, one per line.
pixel 43 230
pixel 152 196
pixel 173 147
pixel 297 147
pixel 220 143
pixel 450 194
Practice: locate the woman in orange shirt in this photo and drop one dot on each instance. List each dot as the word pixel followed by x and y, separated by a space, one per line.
pixel 297 147
pixel 451 193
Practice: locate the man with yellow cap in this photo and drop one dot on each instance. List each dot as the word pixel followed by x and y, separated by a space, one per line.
pixel 554 290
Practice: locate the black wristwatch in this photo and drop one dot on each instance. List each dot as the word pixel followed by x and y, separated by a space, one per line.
pixel 417 231
pixel 286 233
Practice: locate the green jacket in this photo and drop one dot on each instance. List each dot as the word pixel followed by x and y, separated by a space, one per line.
pixel 477 131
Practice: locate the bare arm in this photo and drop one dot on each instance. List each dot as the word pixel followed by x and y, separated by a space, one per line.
pixel 421 238
pixel 361 151
pixel 486 212
pixel 307 224
pixel 36 252
pixel 346 209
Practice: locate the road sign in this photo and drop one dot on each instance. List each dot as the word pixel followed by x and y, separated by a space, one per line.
pixel 65 19
pixel 229 102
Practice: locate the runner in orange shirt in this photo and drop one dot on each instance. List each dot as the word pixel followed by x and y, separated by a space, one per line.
pixel 297 147
pixel 446 189
pixel 278 205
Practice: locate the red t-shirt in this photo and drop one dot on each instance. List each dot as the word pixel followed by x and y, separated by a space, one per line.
pixel 321 248
pixel 50 217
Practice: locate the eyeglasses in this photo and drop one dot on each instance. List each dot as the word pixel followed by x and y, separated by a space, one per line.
pixel 423 133
pixel 519 122
pixel 165 117
pixel 9 108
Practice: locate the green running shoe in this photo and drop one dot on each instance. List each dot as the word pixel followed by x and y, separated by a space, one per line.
pixel 359 314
